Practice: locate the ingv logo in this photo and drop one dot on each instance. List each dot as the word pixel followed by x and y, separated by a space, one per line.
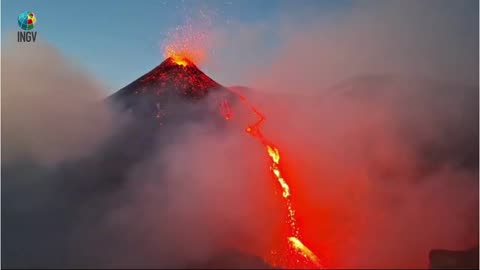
pixel 26 21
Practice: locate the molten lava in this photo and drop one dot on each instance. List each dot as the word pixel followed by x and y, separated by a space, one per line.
pixel 295 254
pixel 179 60
pixel 304 250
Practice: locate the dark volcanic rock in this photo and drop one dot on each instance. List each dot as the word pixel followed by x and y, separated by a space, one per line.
pixel 233 260
pixel 448 259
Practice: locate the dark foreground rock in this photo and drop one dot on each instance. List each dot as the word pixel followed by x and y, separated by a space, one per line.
pixel 449 259
pixel 233 260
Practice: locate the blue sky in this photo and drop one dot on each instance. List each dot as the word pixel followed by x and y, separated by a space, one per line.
pixel 118 41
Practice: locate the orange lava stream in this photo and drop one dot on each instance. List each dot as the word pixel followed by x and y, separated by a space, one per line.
pixel 295 254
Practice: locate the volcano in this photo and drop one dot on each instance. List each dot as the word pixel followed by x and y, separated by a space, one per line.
pixel 175 82
pixel 159 104
pixel 171 77
pixel 167 98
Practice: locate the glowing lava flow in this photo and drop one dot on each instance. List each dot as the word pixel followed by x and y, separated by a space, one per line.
pixel 292 253
pixel 295 246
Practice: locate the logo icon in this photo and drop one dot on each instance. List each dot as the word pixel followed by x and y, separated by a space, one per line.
pixel 27 20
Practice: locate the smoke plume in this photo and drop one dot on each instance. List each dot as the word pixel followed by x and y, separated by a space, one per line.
pixel 49 106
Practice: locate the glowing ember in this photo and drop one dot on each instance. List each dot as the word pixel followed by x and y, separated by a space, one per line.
pixel 295 254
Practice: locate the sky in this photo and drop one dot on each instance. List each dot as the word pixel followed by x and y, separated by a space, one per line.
pixel 120 42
